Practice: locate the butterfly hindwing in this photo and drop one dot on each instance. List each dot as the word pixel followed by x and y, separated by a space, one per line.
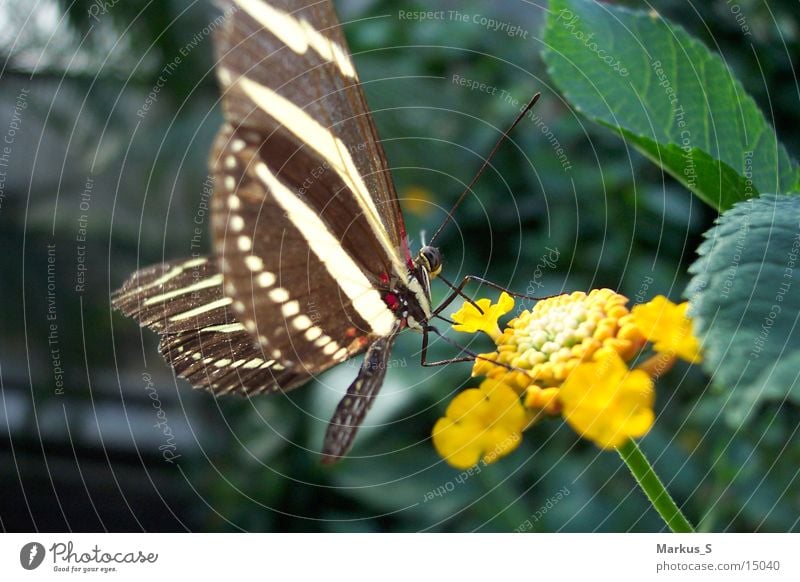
pixel 200 337
pixel 175 296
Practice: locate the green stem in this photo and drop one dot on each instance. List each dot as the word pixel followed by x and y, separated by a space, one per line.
pixel 653 487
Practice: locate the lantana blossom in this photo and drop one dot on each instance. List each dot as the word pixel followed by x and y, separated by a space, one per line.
pixel 568 356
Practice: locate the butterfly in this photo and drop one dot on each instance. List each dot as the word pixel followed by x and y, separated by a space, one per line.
pixel 311 263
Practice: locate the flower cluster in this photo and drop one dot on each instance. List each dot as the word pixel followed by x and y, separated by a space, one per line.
pixel 569 356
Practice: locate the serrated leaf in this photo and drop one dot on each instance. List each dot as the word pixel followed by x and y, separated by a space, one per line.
pixel 669 96
pixel 777 383
pixel 745 301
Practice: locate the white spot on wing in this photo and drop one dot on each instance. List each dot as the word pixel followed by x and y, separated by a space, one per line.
pixel 291 308
pixel 253 263
pixel 266 279
pixel 313 333
pixel 244 243
pixel 301 323
pixel 224 75
pixel 236 223
pixel 279 295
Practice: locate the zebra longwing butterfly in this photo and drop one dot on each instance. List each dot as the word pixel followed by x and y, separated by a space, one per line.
pixel 311 263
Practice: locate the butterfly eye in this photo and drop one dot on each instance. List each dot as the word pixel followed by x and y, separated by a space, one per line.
pixel 431 259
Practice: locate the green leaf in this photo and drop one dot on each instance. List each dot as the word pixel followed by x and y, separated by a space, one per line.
pixel 669 96
pixel 745 300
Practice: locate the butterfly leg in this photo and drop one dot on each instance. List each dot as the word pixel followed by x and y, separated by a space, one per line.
pixel 457 291
pixel 424 351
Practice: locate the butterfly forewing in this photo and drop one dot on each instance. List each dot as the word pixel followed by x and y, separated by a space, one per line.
pixel 284 66
pixel 303 198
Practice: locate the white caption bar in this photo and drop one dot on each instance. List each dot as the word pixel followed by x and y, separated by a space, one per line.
pixel 370 557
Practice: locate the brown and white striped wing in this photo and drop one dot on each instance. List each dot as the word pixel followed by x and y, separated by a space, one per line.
pixel 307 300
pixel 200 337
pixel 306 222
pixel 284 67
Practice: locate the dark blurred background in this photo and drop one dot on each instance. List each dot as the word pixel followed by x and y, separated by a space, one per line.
pixel 94 186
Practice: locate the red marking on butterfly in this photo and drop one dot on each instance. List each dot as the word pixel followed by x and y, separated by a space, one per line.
pixel 404 239
pixel 392 301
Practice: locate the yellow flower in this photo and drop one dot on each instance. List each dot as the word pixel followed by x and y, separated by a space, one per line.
pixel 470 320
pixel 480 423
pixel 558 334
pixel 666 325
pixel 606 402
pixel 566 356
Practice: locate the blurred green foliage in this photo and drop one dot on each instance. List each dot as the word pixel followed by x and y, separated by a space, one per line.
pixel 613 217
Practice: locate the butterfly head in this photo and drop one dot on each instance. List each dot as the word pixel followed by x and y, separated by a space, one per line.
pixel 430 259
pixel 412 301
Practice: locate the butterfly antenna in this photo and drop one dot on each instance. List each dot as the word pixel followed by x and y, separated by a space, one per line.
pixel 488 159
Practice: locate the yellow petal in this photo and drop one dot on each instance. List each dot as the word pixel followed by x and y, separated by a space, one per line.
pixel 457 443
pixel 465 404
pixel 469 318
pixel 607 403
pixel 668 326
pixel 480 423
